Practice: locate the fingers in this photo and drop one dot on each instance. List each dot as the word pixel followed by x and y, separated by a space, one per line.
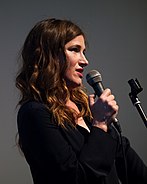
pixel 91 99
pixel 105 106
pixel 105 95
pixel 106 92
pixel 109 100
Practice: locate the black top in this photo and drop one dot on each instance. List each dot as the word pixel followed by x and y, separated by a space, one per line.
pixel 73 155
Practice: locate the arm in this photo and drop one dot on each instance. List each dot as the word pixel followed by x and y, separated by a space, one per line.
pixel 45 143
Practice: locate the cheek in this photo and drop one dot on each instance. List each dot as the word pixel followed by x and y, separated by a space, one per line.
pixel 71 59
pixel 70 71
pixel 71 64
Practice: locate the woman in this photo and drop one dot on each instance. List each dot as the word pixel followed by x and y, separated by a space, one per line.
pixel 62 132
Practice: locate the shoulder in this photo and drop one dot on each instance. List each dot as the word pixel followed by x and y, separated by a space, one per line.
pixel 32 108
pixel 32 105
pixel 34 113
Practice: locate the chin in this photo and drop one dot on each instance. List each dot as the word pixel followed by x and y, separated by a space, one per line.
pixel 71 84
pixel 74 85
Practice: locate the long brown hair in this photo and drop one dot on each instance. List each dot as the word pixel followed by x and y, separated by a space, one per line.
pixel 43 66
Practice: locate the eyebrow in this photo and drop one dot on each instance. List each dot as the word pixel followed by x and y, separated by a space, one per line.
pixel 77 45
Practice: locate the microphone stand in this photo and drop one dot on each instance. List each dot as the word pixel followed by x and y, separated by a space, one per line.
pixel 135 89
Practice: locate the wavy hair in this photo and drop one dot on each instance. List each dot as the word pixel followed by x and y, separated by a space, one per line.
pixel 43 66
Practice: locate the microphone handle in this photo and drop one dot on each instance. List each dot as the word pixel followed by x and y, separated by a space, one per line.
pixel 117 125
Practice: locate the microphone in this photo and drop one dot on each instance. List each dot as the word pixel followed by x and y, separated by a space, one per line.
pixel 94 79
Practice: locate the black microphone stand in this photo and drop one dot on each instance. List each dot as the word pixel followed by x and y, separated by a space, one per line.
pixel 135 89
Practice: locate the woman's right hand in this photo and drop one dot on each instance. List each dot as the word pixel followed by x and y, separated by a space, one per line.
pixel 104 109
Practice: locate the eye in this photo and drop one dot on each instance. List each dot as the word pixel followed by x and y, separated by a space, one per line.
pixel 74 49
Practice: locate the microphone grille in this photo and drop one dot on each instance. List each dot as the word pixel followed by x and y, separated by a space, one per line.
pixel 93 77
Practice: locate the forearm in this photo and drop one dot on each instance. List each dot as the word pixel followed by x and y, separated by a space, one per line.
pixel 98 153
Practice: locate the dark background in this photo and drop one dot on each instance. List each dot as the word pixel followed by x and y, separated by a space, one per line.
pixel 117 37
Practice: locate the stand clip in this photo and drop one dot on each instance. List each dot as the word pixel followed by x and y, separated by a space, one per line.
pixel 135 90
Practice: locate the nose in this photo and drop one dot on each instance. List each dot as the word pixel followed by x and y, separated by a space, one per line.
pixel 83 60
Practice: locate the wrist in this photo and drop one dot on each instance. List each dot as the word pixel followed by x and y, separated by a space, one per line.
pixel 101 125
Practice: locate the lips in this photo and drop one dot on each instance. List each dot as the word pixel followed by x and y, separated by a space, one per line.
pixel 80 72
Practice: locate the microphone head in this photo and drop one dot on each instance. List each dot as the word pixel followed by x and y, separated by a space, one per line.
pixel 93 77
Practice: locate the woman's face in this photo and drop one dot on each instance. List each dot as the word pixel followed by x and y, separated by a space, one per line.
pixel 75 56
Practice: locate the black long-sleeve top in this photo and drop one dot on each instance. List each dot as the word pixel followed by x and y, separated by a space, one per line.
pixel 74 155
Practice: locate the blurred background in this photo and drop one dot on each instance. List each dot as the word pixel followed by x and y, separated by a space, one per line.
pixel 117 35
